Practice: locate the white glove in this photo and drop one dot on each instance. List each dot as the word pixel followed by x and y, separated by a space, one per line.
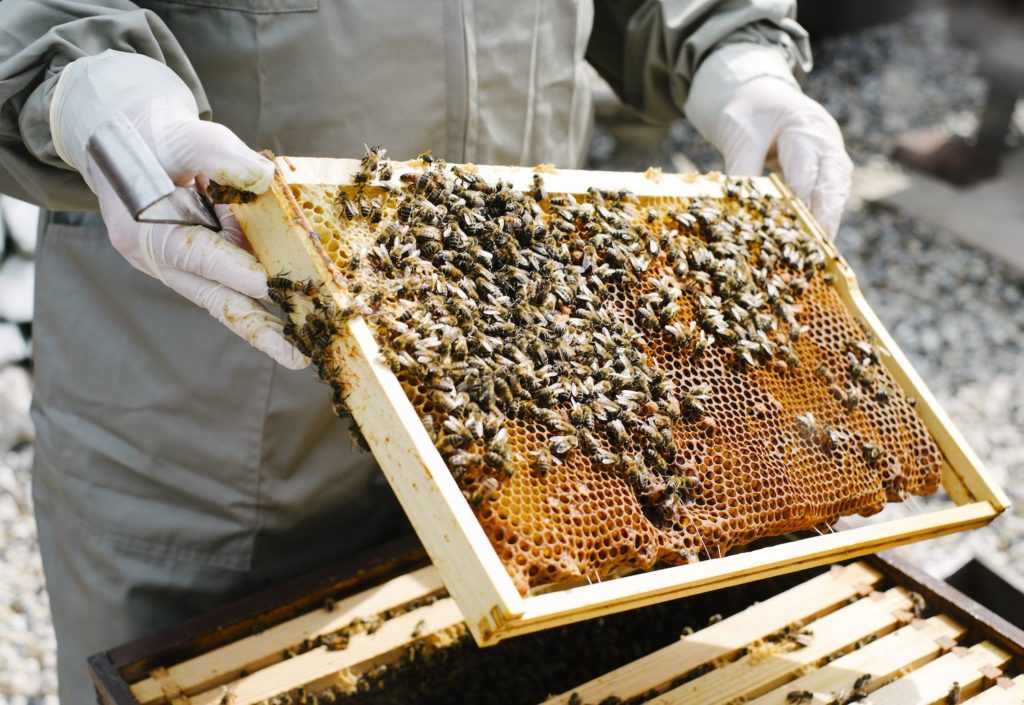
pixel 745 101
pixel 211 269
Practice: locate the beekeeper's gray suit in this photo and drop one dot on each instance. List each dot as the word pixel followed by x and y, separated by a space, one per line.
pixel 176 467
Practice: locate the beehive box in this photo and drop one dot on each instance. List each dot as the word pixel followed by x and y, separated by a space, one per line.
pixel 803 410
pixel 380 630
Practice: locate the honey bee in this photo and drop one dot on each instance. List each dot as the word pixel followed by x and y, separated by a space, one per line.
pixel 832 437
pixel 953 696
pixel 808 425
pixel 371 159
pixel 853 397
pixel 363 206
pixel 280 281
pixel 919 604
pixel 617 430
pixel 693 401
pixel 703 342
pixel 587 441
pixel 306 287
pixel 485 491
pixel 293 334
pixel 870 452
pixel 539 194
pixel 795 697
pixel 347 205
pixel 418 630
pixel 282 299
pixel 358 439
pixel 803 638
pixel 543 461
pixel 464 175
pixel 560 445
pixel 500 462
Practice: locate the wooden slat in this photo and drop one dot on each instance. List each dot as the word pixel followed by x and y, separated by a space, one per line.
pixel 944 598
pixel 310 170
pixel 930 684
pixel 111 689
pixel 883 659
pixel 1007 692
pixel 320 662
pixel 266 608
pixel 278 234
pixel 756 673
pixel 799 604
pixel 258 650
pixel 553 609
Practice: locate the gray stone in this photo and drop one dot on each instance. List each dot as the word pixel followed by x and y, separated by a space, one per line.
pixel 17 281
pixel 22 221
pixel 13 347
pixel 15 402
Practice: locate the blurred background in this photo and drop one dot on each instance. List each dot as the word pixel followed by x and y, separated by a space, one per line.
pixel 926 96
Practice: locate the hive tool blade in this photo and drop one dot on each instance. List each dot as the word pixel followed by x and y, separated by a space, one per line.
pixel 140 181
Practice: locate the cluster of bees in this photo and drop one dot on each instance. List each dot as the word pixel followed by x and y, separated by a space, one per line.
pixel 314 321
pixel 338 640
pixel 495 303
pixel 863 379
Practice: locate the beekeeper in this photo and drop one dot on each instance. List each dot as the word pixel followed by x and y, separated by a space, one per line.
pixel 176 468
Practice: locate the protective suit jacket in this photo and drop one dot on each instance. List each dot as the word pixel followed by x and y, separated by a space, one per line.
pixel 175 466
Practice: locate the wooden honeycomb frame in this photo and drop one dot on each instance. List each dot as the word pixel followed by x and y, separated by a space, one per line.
pixel 285 242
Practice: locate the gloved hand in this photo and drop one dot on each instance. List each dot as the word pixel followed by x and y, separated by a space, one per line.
pixel 211 269
pixel 745 101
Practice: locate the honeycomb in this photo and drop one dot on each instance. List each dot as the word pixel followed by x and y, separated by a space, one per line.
pixel 616 382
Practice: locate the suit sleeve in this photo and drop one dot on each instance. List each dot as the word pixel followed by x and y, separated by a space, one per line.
pixel 38 38
pixel 649 50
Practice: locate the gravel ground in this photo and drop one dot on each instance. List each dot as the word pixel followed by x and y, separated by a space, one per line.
pixel 955 311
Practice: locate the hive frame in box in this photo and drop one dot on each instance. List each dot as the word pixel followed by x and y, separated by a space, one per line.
pixel 285 242
pixel 202 659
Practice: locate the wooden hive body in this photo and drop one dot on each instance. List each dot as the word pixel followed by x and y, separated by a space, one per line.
pixel 382 630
